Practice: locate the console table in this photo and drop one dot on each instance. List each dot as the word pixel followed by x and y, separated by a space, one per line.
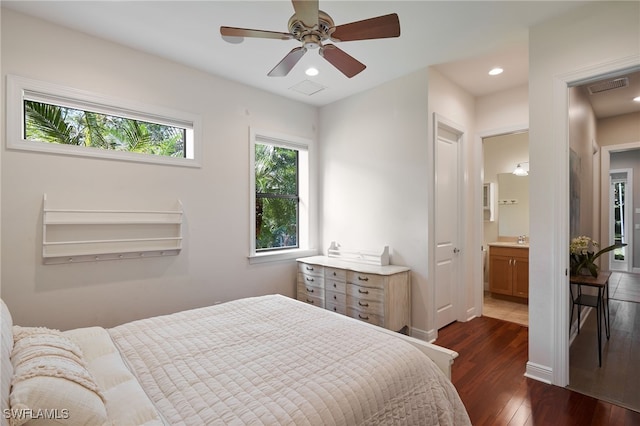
pixel 601 284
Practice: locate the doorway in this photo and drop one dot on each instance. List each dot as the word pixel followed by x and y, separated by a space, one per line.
pixel 506 219
pixel 620 218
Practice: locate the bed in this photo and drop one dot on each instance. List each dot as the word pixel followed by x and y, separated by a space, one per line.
pixel 260 360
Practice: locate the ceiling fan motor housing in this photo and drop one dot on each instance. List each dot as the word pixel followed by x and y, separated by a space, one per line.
pixel 312 37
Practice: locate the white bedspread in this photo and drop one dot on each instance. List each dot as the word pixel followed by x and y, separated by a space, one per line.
pixel 273 360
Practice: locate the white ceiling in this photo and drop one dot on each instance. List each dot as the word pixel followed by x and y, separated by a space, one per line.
pixel 463 38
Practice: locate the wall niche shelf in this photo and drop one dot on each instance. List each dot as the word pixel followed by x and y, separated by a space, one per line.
pixel 78 235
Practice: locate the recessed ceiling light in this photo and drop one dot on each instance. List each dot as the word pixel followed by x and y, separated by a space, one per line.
pixel 496 71
pixel 637 99
pixel 311 71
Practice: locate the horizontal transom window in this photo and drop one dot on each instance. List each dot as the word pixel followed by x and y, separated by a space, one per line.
pixel 50 118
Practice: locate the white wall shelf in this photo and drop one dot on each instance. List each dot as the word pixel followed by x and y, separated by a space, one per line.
pixel 79 235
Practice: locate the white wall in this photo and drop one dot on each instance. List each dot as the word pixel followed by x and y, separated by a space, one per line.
pixel 213 265
pixel 503 111
pixel 374 179
pixel 454 104
pixel 592 39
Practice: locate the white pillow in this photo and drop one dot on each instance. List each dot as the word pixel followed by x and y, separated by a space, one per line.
pixel 51 384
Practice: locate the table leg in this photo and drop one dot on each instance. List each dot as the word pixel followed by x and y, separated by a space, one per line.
pixel 607 319
pixel 599 314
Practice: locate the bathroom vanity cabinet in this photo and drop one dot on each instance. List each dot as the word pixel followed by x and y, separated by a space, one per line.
pixel 509 269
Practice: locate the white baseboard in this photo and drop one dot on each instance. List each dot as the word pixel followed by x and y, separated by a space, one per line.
pixel 539 372
pixel 419 334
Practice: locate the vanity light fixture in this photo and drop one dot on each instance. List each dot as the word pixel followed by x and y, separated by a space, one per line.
pixel 496 71
pixel 520 171
pixel 637 99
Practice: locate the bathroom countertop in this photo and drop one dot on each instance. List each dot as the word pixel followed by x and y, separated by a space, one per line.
pixel 513 244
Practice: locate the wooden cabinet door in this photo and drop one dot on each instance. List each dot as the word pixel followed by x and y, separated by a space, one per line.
pixel 500 280
pixel 521 277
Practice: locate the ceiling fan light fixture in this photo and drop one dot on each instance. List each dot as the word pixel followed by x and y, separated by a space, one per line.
pixel 312 72
pixel 496 71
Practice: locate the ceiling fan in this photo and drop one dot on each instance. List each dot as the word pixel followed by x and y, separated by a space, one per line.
pixel 312 27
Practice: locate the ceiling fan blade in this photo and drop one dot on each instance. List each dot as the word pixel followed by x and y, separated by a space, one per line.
pixel 346 63
pixel 381 27
pixel 306 11
pixel 288 62
pixel 246 32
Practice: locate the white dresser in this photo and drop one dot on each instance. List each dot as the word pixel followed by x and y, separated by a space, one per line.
pixel 380 295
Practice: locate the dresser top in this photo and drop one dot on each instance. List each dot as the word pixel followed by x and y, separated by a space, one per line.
pixel 332 262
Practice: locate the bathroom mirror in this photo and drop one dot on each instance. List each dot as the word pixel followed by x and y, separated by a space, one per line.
pixel 513 205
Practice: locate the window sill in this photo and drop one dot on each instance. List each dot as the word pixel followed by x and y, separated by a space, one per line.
pixel 281 255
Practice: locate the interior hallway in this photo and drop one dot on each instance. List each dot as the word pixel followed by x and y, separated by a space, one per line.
pixel 618 380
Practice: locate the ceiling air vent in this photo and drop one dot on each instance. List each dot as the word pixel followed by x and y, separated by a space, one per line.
pixel 603 86
pixel 307 87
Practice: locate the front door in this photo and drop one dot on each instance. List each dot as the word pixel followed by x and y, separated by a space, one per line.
pixel 447 223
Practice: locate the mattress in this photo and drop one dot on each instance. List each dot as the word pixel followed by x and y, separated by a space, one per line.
pixel 275 360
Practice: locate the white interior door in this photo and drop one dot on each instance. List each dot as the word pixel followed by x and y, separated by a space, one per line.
pixel 447 224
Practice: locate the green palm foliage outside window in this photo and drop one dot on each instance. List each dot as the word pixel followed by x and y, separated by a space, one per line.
pixel 61 125
pixel 276 175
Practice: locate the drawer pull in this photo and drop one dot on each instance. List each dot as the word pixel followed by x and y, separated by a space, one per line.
pixel 361 291
pixel 309 268
pixel 335 285
pixel 310 290
pixel 335 308
pixel 335 297
pixel 363 278
pixel 362 304
pixel 309 279
pixel 310 301
pixel 364 317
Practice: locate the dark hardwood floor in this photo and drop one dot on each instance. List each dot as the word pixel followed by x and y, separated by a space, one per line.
pixel 489 376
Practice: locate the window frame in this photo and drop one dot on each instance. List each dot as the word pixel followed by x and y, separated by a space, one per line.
pixel 303 146
pixel 20 89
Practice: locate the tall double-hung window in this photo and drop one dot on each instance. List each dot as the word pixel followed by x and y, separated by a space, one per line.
pixel 280 194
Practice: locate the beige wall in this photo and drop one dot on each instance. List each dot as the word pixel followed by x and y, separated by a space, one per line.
pixel 619 130
pixel 582 142
pixel 501 155
pixel 213 265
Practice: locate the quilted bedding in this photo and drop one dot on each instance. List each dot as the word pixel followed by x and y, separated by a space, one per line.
pixel 273 360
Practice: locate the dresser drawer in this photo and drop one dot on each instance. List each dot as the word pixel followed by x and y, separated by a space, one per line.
pixel 370 318
pixel 366 280
pixel 312 300
pixel 335 273
pixel 310 269
pixel 336 307
pixel 367 306
pixel 357 292
pixel 335 297
pixel 333 285
pixel 310 291
pixel 310 280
